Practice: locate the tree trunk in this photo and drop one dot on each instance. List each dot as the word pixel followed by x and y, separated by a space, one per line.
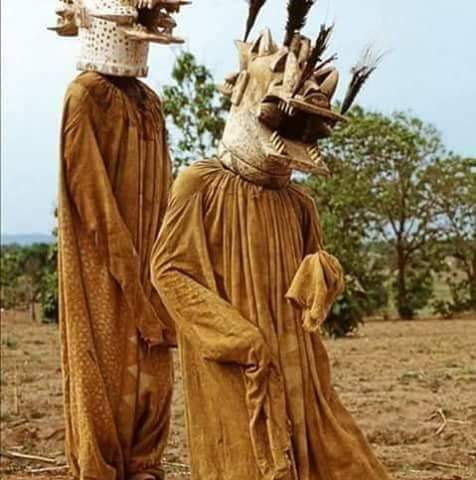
pixel 33 311
pixel 472 283
pixel 405 311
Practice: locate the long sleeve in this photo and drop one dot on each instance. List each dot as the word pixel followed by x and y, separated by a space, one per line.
pixel 183 275
pixel 89 190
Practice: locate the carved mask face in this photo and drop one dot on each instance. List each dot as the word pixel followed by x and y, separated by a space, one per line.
pixel 277 118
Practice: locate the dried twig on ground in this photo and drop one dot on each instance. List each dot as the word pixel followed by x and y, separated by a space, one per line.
pixel 444 422
pixel 25 456
pixel 420 473
pixel 16 400
pixel 461 422
pixel 446 465
pixel 48 469
pixel 17 423
pixel 55 432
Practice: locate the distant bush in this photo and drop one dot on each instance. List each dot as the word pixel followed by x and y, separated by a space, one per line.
pixel 28 277
pixel 49 291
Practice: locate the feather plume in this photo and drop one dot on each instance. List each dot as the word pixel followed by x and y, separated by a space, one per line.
pixel 254 8
pixel 322 41
pixel 297 15
pixel 361 72
pixel 325 62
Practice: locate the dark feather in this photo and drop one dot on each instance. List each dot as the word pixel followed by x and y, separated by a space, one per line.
pixel 319 48
pixel 254 8
pixel 326 62
pixel 297 15
pixel 360 74
pixel 322 41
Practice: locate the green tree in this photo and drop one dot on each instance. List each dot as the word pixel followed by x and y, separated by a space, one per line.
pixel 454 183
pixel 23 271
pixel 381 194
pixel 10 272
pixel 195 109
pixel 34 259
pixel 343 204
pixel 49 287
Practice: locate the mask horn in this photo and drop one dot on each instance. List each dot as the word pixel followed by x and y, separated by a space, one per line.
pixel 329 85
pixel 264 45
pixel 243 53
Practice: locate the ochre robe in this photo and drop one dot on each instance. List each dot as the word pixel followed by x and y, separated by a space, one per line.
pixel 259 399
pixel 114 182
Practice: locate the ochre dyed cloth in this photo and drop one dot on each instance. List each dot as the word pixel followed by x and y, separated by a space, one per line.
pixel 315 288
pixel 259 401
pixel 115 177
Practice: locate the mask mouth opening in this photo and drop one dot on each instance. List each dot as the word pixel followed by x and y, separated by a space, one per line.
pixel 296 124
pixel 299 119
pixel 154 25
pixel 156 20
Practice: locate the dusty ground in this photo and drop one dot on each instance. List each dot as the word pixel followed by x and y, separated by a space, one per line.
pixel 410 385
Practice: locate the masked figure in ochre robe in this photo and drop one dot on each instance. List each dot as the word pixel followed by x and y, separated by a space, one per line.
pixel 241 268
pixel 114 183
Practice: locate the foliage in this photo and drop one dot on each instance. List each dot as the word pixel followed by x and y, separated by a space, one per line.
pixel 195 109
pixel 27 274
pixel 455 182
pixel 386 163
pixel 9 281
pixel 49 291
pixel 419 285
pixel 343 201
pixel 35 260
pixel 348 312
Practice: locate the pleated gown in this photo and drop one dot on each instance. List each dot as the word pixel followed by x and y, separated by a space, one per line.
pixel 259 400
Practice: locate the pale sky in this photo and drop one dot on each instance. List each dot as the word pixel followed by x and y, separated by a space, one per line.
pixel 431 70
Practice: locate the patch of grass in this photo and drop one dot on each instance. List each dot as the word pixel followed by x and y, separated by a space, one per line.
pixel 36 415
pixel 6 416
pixel 29 379
pixel 405 377
pixel 468 371
pixel 10 342
pixel 35 358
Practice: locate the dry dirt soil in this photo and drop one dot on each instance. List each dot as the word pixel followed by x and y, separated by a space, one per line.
pixel 410 385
